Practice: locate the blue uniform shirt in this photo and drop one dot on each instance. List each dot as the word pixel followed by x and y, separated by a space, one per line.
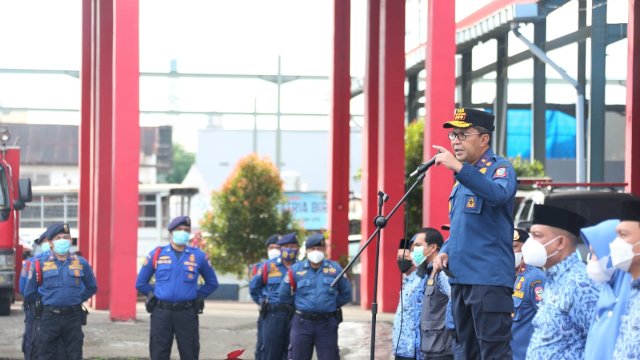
pixel 177 278
pixel 64 284
pixel 269 291
pixel 24 274
pixel 628 345
pixel 257 298
pixel 565 314
pixel 527 294
pixel 404 322
pixel 481 213
pixel 610 308
pixel 308 289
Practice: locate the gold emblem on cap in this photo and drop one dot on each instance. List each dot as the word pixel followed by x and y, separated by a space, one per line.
pixel 516 235
pixel 65 227
pixel 460 115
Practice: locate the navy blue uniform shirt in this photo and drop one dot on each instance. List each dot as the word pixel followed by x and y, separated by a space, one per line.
pixel 481 213
pixel 273 271
pixel 177 278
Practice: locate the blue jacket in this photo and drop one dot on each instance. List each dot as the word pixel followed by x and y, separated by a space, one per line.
pixel 610 308
pixel 269 291
pixel 177 278
pixel 481 213
pixel 308 289
pixel 627 345
pixel 64 284
pixel 527 294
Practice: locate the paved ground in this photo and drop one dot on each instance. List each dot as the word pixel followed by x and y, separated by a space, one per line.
pixel 225 326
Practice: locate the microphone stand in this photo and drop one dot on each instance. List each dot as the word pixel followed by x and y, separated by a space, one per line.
pixel 380 222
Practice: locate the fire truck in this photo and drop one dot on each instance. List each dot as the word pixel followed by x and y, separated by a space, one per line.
pixel 14 194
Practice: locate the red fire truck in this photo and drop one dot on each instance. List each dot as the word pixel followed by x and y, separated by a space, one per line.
pixel 14 194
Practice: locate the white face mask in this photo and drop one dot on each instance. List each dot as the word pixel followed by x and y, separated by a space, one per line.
pixel 315 256
pixel 273 253
pixel 622 253
pixel 518 258
pixel 597 270
pixel 535 254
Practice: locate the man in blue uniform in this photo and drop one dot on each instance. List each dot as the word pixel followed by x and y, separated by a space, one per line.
pixel 275 315
pixel 176 300
pixel 273 252
pixel 614 295
pixel 478 254
pixel 624 256
pixel 403 344
pixel 61 282
pixel 567 309
pixel 527 294
pixel 29 338
pixel 317 304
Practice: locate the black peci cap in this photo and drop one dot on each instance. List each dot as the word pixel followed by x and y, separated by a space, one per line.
pixel 559 218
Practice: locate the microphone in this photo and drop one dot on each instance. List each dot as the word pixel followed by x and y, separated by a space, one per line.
pixel 423 167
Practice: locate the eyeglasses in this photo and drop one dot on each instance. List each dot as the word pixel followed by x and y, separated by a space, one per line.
pixel 461 136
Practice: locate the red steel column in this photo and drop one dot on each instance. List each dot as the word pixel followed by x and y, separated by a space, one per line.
pixel 370 151
pixel 125 158
pixel 391 150
pixel 102 176
pixel 632 145
pixel 439 106
pixel 338 244
pixel 84 153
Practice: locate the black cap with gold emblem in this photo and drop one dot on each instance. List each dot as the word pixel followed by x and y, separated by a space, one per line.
pixel 464 118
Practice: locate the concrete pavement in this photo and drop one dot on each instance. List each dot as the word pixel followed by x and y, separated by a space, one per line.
pixel 224 326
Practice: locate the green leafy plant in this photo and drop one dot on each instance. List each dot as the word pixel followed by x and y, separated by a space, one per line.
pixel 244 213
pixel 182 161
pixel 525 168
pixel 413 147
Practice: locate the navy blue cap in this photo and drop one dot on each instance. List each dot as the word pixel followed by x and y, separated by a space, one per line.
pixel 273 239
pixel 314 240
pixel 464 118
pixel 40 238
pixel 180 220
pixel 55 229
pixel 630 210
pixel 290 238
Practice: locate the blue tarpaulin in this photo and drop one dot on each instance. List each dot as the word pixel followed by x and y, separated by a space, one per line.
pixel 561 134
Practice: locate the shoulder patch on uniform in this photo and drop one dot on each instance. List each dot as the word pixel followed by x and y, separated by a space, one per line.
pixel 536 283
pixel 500 172
pixel 539 290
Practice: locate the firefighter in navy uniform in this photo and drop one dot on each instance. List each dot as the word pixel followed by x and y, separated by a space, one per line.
pixel 59 283
pixel 479 254
pixel 273 252
pixel 317 304
pixel 176 300
pixel 275 315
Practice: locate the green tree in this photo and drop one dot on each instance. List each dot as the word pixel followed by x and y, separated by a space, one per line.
pixel 182 161
pixel 413 147
pixel 244 213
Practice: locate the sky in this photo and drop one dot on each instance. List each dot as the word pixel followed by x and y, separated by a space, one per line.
pixel 241 37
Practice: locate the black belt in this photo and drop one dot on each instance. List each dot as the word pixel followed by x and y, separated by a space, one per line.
pixel 315 316
pixel 175 306
pixel 62 310
pixel 278 307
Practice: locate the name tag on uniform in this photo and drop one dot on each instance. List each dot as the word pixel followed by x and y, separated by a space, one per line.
pixel 329 270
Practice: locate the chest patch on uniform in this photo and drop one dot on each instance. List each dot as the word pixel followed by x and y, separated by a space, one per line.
pixel 471 203
pixel 75 265
pixel 192 258
pixel 301 273
pixel 164 260
pixel 500 172
pixel 518 294
pixel 329 270
pixel 274 271
pixel 49 265
pixel 519 284
pixel 483 170
pixel 190 263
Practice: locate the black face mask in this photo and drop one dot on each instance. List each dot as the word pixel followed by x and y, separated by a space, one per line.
pixel 404 265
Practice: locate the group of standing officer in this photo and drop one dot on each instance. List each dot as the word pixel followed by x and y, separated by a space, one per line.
pixel 55 284
pixel 299 310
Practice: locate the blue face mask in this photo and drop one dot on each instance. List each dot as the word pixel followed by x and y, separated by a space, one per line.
pixel 61 246
pixel 180 237
pixel 289 254
pixel 45 247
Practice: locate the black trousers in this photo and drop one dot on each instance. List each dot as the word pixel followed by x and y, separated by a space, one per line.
pixel 183 324
pixel 482 315
pixel 55 330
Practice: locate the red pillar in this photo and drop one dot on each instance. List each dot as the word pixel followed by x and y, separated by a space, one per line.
pixel 339 134
pixel 125 158
pixel 439 106
pixel 632 148
pixel 391 150
pixel 370 151
pixel 110 138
